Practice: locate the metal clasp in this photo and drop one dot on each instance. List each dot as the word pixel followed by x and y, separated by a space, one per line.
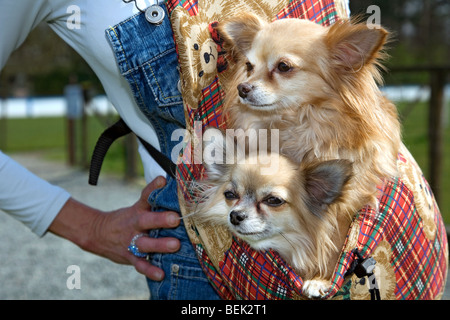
pixel 155 14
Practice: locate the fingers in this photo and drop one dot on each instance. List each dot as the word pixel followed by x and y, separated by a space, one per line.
pixel 157 183
pixel 147 220
pixel 157 220
pixel 162 245
pixel 150 271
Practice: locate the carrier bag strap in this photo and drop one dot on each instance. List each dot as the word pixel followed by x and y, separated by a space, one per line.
pixel 117 130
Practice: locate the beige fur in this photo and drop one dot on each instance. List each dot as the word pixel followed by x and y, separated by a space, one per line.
pixel 283 207
pixel 329 105
pixel 318 86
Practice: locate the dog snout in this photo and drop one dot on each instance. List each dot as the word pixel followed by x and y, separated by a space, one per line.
pixel 236 217
pixel 244 89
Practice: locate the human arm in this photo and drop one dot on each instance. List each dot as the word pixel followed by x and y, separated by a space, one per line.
pixel 108 234
pixel 28 198
pixel 44 207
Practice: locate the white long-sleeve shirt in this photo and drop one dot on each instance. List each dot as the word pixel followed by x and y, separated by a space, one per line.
pixel 27 197
pixel 18 186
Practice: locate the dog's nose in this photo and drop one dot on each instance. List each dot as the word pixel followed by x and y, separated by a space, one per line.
pixel 244 89
pixel 236 217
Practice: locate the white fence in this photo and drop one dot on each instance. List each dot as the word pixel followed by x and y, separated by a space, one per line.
pixel 56 106
pixel 48 107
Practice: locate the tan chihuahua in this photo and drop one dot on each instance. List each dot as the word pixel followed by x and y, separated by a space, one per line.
pixel 318 86
pixel 288 208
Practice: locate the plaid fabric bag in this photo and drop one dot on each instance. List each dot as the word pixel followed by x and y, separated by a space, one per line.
pixel 406 236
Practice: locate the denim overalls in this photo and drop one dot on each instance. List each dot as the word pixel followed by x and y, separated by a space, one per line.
pixel 146 57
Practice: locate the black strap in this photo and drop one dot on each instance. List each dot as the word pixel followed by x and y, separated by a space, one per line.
pixel 117 130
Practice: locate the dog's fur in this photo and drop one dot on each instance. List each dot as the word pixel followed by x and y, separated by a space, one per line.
pixel 327 105
pixel 281 207
pixel 318 86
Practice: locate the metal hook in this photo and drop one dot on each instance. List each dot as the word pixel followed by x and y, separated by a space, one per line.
pixel 135 4
pixel 154 14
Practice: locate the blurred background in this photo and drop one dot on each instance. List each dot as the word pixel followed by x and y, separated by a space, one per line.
pixel 53 108
pixel 417 80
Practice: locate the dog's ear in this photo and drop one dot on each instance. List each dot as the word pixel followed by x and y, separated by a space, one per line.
pixel 354 45
pixel 239 32
pixel 324 183
pixel 214 149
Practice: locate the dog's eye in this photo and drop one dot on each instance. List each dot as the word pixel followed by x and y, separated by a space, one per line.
pixel 284 67
pixel 273 201
pixel 249 66
pixel 230 195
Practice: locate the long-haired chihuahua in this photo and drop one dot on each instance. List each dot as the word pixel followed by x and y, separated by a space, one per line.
pixel 287 207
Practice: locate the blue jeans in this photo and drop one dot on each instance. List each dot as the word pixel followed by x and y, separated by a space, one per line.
pixel 146 56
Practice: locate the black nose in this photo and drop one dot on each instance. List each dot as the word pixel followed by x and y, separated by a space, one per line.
pixel 236 217
pixel 244 89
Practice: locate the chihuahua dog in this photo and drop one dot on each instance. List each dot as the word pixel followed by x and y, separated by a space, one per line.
pixel 318 86
pixel 288 208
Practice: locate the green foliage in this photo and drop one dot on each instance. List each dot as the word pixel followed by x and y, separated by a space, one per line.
pixel 415 137
pixel 49 135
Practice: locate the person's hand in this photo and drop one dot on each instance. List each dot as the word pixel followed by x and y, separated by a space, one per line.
pixel 109 234
pixel 120 226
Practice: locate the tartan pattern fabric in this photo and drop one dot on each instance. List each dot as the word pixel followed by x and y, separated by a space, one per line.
pixel 319 11
pixel 258 275
pixel 322 12
pixel 211 105
pixel 247 274
pixel 191 6
pixel 419 265
pixel 209 114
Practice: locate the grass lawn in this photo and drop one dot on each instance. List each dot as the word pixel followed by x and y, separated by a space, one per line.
pixel 49 135
pixel 415 137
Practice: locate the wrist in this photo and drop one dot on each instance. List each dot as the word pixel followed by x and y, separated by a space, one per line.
pixel 78 223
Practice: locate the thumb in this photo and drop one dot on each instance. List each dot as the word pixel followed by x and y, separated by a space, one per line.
pixel 157 183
